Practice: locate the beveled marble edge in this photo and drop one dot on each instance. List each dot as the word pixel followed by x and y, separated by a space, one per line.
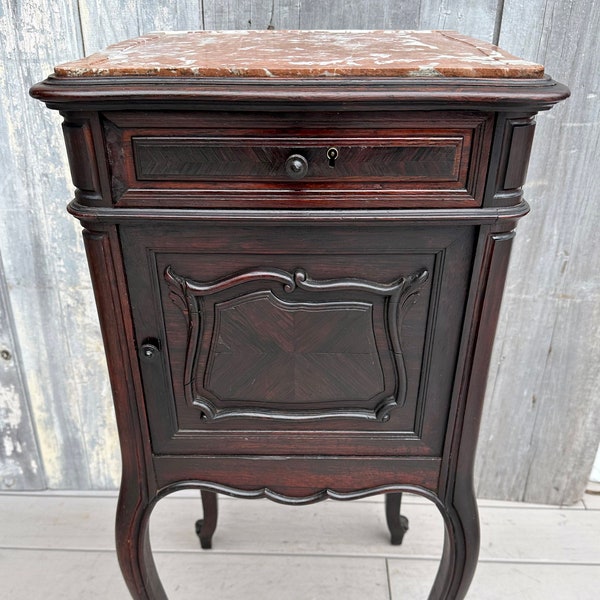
pixel 303 54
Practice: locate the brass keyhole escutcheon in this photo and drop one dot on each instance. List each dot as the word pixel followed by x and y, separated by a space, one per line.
pixel 332 154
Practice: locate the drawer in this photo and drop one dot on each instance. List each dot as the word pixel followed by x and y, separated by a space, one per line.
pixel 320 340
pixel 407 160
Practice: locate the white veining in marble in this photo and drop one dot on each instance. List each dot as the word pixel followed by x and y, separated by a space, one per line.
pixel 302 54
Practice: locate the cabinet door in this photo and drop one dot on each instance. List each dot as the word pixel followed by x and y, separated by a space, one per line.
pixel 298 339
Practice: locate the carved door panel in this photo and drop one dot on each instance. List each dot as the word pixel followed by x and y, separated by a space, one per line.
pixel 283 340
pixel 268 343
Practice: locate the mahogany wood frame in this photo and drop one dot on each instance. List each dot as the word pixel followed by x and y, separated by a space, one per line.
pixel 296 477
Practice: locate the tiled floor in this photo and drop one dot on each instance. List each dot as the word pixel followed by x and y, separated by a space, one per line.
pixel 60 546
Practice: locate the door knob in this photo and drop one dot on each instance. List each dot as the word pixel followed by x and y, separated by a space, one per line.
pixel 150 348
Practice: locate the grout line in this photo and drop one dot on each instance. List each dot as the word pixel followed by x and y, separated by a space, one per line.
pixel 215 552
pixel 517 561
pixel 387 557
pixel 60 494
pixel 389 579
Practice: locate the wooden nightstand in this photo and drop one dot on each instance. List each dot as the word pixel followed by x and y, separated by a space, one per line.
pixel 298 242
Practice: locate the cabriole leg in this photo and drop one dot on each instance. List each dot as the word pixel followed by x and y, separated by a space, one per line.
pixel 461 549
pixel 206 526
pixel 133 547
pixel 397 523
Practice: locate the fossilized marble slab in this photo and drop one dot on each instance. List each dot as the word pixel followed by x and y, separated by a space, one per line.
pixel 303 54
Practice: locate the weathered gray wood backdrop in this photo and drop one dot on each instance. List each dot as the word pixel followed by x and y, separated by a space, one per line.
pixel 542 419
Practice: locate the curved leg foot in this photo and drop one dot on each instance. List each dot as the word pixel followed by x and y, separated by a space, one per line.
pixel 397 523
pixel 133 547
pixel 461 549
pixel 206 526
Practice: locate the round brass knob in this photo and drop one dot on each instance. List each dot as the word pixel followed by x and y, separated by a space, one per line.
pixel 296 166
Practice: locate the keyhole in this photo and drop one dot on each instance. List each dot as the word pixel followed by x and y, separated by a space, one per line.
pixel 332 154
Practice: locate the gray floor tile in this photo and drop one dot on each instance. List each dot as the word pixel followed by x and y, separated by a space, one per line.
pixel 60 575
pixel 483 503
pixel 60 522
pixel 411 580
pixel 64 575
pixel 546 535
pixel 592 501
pixel 227 577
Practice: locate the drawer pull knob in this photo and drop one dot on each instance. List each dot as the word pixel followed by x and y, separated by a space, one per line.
pixel 296 166
pixel 150 349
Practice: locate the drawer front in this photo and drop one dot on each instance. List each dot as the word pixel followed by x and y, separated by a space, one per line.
pixel 317 341
pixel 395 162
pixel 436 159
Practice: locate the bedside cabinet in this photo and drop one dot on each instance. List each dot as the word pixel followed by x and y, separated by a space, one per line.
pixel 298 243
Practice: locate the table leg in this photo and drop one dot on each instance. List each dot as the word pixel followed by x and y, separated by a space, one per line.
pixel 461 549
pixel 397 523
pixel 206 526
pixel 133 546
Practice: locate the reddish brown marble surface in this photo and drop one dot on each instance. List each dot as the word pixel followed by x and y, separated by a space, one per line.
pixel 303 54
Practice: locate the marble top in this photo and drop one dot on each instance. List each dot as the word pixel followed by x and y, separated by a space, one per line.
pixel 302 54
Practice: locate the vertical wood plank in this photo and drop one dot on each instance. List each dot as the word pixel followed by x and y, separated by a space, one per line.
pixel 372 14
pixel 253 14
pixel 470 18
pixel 44 262
pixel 105 22
pixel 542 421
pixel 20 463
pixel 478 19
pixel 299 14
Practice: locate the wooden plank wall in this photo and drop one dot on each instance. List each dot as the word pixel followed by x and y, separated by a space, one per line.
pixel 20 462
pixel 542 420
pixel 541 423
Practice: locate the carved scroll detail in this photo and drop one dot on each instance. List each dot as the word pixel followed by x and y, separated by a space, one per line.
pixel 192 297
pixel 318 496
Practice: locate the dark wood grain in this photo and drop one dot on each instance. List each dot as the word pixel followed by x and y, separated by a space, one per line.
pixel 379 254
pixel 198 159
pixel 309 94
pixel 253 352
pixel 190 160
pixel 137 491
pixel 520 147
